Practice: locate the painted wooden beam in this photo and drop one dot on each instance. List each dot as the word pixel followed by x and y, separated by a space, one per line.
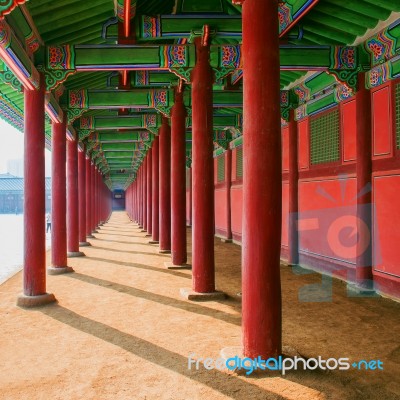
pixel 180 59
pixel 125 137
pixel 16 58
pixel 136 121
pixel 6 7
pixel 161 100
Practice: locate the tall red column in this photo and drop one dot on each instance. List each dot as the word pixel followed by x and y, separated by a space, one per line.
pixel 228 184
pixel 165 187
pixel 72 200
pixel 262 181
pixel 293 258
pixel 96 198
pixel 364 276
pixel 88 198
pixel 93 198
pixel 178 181
pixel 140 197
pixel 34 286
pixel 155 192
pixel 144 198
pixel 190 197
pixel 149 192
pixel 99 222
pixel 59 200
pixel 202 172
pixel 82 197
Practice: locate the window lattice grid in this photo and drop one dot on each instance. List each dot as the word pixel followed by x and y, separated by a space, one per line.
pixel 397 108
pixel 325 138
pixel 220 169
pixel 239 162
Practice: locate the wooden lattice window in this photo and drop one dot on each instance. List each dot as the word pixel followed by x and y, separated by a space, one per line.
pixel 397 107
pixel 239 162
pixel 220 168
pixel 325 138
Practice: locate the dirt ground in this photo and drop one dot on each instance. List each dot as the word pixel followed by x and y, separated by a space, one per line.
pixel 121 330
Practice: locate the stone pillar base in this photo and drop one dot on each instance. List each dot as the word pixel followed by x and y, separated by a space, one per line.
pixel 94 231
pixel 59 270
pixel 72 254
pixel 169 265
pixel 190 294
pixel 355 290
pixel 35 301
pixel 84 244
pixel 164 251
pixel 143 230
pixel 223 240
pixel 90 236
pixel 154 242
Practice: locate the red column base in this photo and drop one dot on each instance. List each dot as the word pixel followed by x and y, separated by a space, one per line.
pixel 72 254
pixel 170 265
pixel 164 251
pixel 84 244
pixel 59 270
pixel 190 294
pixel 35 301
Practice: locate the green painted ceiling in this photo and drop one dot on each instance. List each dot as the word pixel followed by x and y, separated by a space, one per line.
pixel 337 22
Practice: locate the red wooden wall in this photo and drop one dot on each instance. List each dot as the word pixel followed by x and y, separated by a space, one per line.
pixel 327 195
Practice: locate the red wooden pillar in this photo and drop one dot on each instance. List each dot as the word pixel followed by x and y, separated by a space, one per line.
pixel 155 192
pixel 144 199
pixel 178 181
pixel 190 197
pixel 82 197
pixel 149 192
pixel 293 192
pixel 262 181
pixel 59 200
pixel 165 187
pixel 72 200
pixel 140 197
pixel 88 198
pixel 99 219
pixel 34 286
pixel 364 276
pixel 93 198
pixel 228 184
pixel 202 172
pixel 96 198
pixel 134 201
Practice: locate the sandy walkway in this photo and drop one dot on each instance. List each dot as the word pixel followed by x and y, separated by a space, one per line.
pixel 122 331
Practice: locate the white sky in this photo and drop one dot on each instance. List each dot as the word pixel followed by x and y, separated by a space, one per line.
pixel 12 147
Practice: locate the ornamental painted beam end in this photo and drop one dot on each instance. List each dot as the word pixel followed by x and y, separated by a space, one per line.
pixel 7 6
pixel 16 58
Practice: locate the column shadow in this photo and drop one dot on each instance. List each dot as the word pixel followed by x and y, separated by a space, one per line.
pixel 229 385
pixel 158 298
pixel 131 252
pixel 142 266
